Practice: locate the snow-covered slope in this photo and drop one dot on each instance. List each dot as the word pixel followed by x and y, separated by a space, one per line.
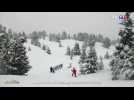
pixel 41 62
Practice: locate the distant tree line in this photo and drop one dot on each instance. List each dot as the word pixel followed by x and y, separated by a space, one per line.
pixel 81 36
pixel 37 34
pixel 86 37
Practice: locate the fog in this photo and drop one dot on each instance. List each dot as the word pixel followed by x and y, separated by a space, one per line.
pixel 73 22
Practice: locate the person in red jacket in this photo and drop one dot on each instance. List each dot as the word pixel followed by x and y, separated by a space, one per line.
pixel 74 71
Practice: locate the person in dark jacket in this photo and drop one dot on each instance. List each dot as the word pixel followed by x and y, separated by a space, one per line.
pixel 51 70
pixel 74 71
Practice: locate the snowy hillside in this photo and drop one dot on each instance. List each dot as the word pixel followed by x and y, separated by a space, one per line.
pixel 41 62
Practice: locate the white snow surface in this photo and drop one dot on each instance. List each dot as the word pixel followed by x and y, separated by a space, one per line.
pixel 41 62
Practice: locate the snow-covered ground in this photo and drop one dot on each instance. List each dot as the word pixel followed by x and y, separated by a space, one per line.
pixel 41 62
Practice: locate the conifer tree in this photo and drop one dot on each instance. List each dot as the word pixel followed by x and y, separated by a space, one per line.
pixel 106 42
pixel 71 54
pixel 60 45
pixel 68 51
pixel 18 63
pixel 83 56
pixel 44 47
pixel 76 50
pixel 123 61
pixel 107 56
pixel 92 60
pixel 4 45
pixel 48 51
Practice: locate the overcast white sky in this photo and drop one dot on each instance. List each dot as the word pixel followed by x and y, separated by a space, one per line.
pixel 73 22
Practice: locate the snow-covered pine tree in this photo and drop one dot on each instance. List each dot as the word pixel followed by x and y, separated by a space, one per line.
pixel 106 42
pixel 64 35
pixel 68 36
pixel 16 58
pixel 76 50
pixel 91 42
pixel 74 36
pixel 71 54
pixel 89 64
pixel 43 47
pixel 92 59
pixel 24 37
pixel 83 56
pixel 48 51
pixel 99 38
pixel 2 29
pixel 107 56
pixel 57 38
pixel 85 44
pixel 35 39
pixel 29 49
pixel 68 51
pixel 4 44
pixel 60 45
pixel 123 61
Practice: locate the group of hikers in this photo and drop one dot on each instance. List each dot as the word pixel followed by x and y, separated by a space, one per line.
pixel 53 69
pixel 73 70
